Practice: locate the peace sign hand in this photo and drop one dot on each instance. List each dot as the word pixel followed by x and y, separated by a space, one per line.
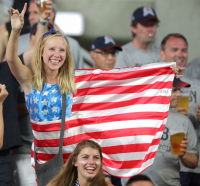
pixel 17 19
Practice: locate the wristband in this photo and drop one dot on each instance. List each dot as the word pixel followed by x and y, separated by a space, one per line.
pixel 43 22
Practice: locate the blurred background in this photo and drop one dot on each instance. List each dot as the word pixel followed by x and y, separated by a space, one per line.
pixel 113 17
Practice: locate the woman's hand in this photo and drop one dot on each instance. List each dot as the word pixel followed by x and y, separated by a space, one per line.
pixel 17 19
pixel 3 93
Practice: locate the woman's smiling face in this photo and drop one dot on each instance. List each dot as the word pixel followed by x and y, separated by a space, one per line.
pixel 88 163
pixel 54 53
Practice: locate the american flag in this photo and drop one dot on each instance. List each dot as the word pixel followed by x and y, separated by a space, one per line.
pixel 124 110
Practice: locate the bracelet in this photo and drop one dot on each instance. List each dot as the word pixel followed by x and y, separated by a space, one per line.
pixel 43 22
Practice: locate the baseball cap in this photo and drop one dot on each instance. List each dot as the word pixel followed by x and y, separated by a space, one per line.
pixel 144 14
pixel 104 43
pixel 180 84
pixel 34 28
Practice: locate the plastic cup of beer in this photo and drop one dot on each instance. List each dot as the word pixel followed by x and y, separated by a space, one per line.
pixel 42 6
pixel 183 101
pixel 176 138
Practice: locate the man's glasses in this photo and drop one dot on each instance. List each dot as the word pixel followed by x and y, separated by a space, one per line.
pixel 106 54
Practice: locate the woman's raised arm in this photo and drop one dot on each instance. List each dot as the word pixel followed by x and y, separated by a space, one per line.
pixel 21 72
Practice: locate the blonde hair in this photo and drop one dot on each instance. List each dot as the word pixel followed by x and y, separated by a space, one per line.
pixel 65 73
pixel 68 174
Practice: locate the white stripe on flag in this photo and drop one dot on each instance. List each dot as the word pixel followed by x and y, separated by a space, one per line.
pixel 126 82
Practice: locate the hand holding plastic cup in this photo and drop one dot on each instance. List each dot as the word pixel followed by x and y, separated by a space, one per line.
pixel 42 5
pixel 183 101
pixel 176 137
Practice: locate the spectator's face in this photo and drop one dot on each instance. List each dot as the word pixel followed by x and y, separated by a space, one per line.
pixel 54 54
pixel 176 50
pixel 33 14
pixel 141 183
pixel 88 163
pixel 104 59
pixel 145 32
pixel 174 97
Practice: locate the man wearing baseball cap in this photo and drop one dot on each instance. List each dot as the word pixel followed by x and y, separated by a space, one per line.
pixel 103 51
pixel 140 50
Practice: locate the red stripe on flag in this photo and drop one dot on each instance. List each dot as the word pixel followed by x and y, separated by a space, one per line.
pixel 124 75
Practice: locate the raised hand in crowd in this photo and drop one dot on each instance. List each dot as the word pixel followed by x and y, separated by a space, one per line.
pixel 45 15
pixel 17 19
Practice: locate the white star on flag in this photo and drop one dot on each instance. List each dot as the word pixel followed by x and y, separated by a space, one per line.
pixel 35 110
pixel 53 99
pixel 37 119
pixel 54 91
pixel 45 93
pixel 36 100
pixel 44 102
pixel 55 118
pixel 38 92
pixel 44 112
pixel 48 85
pixel 54 109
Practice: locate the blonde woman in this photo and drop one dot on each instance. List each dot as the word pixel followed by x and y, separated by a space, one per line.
pixel 51 76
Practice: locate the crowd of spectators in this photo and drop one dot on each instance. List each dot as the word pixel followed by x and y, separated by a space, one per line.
pixel 167 169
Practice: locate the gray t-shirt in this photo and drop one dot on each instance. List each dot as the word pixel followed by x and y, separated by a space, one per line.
pixel 193 107
pixel 76 53
pixel 132 56
pixel 193 69
pixel 166 167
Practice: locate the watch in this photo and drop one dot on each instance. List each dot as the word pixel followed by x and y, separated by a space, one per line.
pixel 43 22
